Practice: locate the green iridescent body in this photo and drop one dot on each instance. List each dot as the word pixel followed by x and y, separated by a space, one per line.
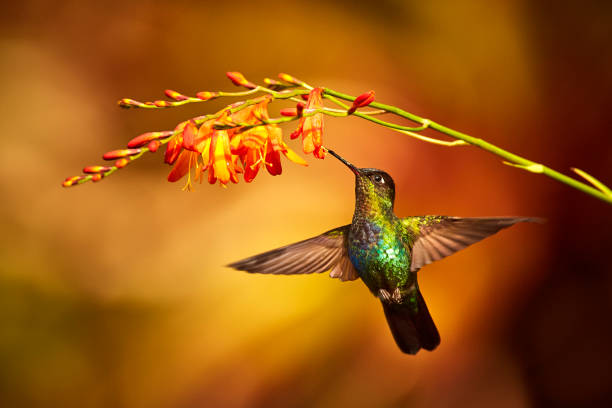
pixel 378 253
pixel 379 243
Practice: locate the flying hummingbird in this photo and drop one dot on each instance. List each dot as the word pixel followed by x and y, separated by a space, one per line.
pixel 385 251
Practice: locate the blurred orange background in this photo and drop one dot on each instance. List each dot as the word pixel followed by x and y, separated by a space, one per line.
pixel 115 294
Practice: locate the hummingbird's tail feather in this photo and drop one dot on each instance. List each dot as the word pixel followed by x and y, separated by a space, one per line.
pixel 412 329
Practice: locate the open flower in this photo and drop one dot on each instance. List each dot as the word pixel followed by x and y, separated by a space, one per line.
pixel 260 145
pixel 311 125
pixel 203 149
pixel 219 145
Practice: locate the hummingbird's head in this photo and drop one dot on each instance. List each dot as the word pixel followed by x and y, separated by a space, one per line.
pixel 371 185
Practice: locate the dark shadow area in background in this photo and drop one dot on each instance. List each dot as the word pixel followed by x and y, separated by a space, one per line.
pixel 561 334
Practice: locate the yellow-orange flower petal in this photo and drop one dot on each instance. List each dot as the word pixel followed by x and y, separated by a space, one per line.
pixel 222 167
pixel 294 157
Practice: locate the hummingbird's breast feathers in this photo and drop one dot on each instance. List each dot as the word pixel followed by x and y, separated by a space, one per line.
pixel 376 249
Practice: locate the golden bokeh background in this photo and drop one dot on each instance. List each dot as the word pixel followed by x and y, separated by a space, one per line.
pixel 115 294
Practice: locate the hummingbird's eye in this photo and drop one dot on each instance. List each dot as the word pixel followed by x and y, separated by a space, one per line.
pixel 379 179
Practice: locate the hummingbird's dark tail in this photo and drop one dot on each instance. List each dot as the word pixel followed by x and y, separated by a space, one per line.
pixel 412 328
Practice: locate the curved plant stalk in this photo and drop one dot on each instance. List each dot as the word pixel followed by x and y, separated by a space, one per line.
pixel 295 90
pixel 596 188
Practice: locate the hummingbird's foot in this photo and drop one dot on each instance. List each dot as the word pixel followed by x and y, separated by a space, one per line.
pixel 385 296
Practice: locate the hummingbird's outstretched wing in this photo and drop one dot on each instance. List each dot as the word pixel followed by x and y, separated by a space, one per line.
pixel 436 237
pixel 315 255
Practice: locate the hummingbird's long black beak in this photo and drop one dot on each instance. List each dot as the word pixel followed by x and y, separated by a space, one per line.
pixel 346 163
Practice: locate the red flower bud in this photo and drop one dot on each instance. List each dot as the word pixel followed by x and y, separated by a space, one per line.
pixel 205 95
pixel 288 112
pixel 276 85
pixel 129 103
pixel 305 97
pixel 238 79
pixel 300 108
pixel 162 104
pixel 233 105
pixel 121 163
pixel 116 154
pixel 362 100
pixel 153 145
pixel 175 95
pixel 96 169
pixel 290 79
pixel 97 177
pixel 269 81
pixel 145 138
pixel 71 181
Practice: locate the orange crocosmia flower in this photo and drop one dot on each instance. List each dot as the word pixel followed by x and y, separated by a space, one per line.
pixel 205 149
pixel 220 151
pixel 260 145
pixel 202 149
pixel 222 165
pixel 275 147
pixel 186 151
pixel 175 144
pixel 248 146
pixel 311 126
pixel 183 165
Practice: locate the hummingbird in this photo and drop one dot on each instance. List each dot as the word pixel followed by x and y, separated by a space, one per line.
pixel 385 252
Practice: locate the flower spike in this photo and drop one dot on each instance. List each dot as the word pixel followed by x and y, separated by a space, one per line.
pixel 241 138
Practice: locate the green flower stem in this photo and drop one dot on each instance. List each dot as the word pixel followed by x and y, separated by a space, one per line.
pixel 601 191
